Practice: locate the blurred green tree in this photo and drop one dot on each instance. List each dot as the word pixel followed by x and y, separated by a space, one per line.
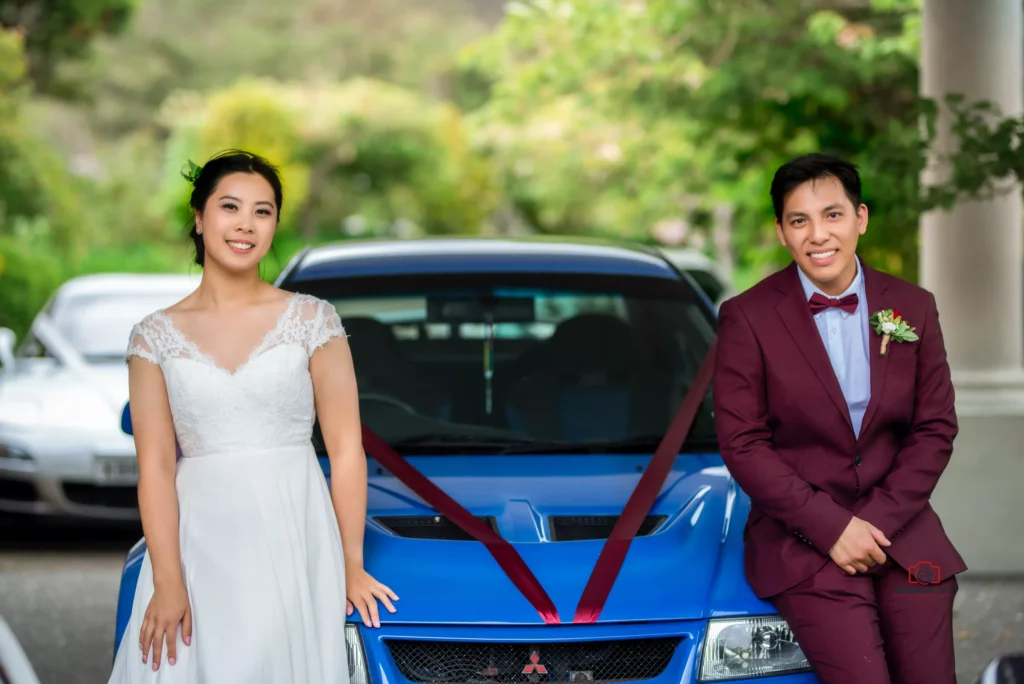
pixel 714 95
pixel 57 30
pixel 361 157
pixel 42 230
pixel 198 45
pixel 36 193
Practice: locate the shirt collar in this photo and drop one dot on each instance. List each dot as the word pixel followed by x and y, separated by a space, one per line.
pixel 855 287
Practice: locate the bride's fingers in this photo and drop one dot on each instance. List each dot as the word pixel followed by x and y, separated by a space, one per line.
pixel 146 638
pixel 387 590
pixel 381 596
pixel 158 643
pixel 364 611
pixel 172 645
pixel 349 608
pixel 371 603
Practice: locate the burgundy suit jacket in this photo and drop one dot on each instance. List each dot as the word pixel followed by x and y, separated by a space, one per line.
pixel 786 436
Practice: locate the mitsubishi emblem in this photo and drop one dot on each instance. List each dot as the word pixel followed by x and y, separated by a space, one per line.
pixel 534 667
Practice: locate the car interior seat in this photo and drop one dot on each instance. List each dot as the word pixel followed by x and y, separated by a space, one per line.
pixel 382 368
pixel 591 380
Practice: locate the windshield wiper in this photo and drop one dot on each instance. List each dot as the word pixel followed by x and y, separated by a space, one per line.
pixel 501 445
pixel 645 444
pixel 434 440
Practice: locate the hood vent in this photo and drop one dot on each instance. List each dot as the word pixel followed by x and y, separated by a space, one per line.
pixel 429 526
pixel 584 527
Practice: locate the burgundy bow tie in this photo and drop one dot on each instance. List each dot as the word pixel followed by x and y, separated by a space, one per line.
pixel 819 303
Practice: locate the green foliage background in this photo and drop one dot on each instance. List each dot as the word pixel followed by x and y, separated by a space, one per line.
pixel 596 117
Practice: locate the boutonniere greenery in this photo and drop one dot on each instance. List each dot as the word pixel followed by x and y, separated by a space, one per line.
pixel 890 325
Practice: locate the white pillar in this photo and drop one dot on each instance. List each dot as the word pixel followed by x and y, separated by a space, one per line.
pixel 972 259
pixel 972 256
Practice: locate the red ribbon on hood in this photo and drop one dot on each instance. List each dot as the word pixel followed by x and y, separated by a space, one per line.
pixel 613 554
pixel 504 553
pixel 640 502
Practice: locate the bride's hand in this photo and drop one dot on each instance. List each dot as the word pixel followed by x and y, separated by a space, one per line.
pixel 363 593
pixel 166 610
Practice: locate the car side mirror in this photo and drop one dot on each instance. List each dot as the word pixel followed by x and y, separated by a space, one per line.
pixel 1007 669
pixel 7 340
pixel 126 420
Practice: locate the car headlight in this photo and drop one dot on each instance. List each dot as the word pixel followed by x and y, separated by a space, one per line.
pixel 358 669
pixel 740 648
pixel 13 453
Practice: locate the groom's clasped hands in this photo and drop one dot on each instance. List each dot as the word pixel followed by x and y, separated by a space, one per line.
pixel 859 547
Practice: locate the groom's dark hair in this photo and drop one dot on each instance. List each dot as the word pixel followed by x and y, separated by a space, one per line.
pixel 809 167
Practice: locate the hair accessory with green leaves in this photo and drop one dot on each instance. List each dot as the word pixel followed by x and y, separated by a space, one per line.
pixel 191 172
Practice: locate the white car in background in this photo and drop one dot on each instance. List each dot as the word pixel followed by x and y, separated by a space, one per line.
pixel 708 275
pixel 62 392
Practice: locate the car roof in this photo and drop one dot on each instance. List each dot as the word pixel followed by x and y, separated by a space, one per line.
pixel 360 258
pixel 117 283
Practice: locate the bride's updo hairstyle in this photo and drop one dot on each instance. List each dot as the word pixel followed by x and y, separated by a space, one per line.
pixel 205 178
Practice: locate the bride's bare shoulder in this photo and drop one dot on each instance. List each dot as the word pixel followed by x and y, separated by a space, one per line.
pixel 185 306
pixel 270 294
pixel 303 300
pixel 189 304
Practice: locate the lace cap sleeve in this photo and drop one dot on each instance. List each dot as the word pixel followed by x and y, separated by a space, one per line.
pixel 141 345
pixel 324 326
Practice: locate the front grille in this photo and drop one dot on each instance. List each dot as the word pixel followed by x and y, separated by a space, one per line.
pixel 17 490
pixel 118 496
pixel 454 662
pixel 581 527
pixel 429 526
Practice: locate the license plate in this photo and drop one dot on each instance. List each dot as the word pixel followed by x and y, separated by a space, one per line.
pixel 116 469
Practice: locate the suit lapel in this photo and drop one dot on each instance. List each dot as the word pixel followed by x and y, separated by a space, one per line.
pixel 874 287
pixel 797 318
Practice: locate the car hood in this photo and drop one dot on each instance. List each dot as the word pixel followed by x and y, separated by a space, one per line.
pixel 46 394
pixel 690 566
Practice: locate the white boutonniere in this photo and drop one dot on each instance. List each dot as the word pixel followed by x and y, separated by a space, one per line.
pixel 890 325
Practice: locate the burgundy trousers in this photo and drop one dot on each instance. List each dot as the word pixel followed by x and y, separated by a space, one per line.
pixel 880 627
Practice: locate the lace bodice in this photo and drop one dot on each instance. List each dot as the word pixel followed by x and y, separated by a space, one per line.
pixel 266 402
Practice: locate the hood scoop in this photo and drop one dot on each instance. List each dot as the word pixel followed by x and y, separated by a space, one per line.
pixel 565 528
pixel 429 526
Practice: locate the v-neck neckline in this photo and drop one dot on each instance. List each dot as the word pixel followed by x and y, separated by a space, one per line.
pixel 197 352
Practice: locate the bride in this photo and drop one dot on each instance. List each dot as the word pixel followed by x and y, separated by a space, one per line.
pixel 252 564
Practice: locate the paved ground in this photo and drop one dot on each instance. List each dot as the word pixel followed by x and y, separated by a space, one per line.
pixel 58 592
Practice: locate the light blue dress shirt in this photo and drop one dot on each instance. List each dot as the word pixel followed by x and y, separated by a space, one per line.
pixel 845 337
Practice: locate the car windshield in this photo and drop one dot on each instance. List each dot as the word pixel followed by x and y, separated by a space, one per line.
pixel 707 282
pixel 98 326
pixel 563 364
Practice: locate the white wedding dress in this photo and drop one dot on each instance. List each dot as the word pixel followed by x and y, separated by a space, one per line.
pixel 260 548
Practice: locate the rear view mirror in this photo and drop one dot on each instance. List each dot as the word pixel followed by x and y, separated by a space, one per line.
pixel 1007 669
pixel 472 309
pixel 7 340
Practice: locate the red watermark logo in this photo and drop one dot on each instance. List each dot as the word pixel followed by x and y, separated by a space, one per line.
pixel 924 572
pixel 925 577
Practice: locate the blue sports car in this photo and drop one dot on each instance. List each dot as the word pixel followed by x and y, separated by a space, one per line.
pixel 531 381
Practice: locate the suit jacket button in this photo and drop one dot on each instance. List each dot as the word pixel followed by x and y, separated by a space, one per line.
pixel 856 460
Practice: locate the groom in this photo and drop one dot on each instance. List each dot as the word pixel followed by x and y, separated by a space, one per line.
pixel 839 432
